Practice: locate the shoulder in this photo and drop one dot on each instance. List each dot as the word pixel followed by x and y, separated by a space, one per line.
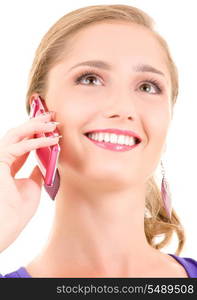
pixel 190 264
pixel 20 273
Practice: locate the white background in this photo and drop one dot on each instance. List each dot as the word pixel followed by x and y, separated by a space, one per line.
pixel 22 25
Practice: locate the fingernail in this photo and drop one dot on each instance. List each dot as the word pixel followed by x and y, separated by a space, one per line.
pixel 56 123
pixel 54 136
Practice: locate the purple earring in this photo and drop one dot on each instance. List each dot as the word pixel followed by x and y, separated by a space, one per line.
pixel 165 192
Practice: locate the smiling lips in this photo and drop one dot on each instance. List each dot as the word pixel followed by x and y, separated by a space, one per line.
pixel 114 139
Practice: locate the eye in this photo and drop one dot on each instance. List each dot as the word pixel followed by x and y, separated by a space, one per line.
pixel 151 85
pixel 89 76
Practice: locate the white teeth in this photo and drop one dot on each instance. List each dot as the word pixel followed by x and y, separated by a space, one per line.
pixel 112 138
pixel 107 137
pixel 122 139
pixel 127 140
pixel 100 137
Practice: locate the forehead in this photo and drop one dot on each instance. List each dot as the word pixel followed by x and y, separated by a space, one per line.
pixel 120 43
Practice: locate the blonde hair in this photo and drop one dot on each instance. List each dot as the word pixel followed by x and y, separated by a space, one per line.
pixel 52 50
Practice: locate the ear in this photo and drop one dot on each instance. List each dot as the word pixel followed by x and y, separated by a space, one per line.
pixel 33 96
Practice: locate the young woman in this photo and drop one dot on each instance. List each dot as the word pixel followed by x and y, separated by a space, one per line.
pixel 103 70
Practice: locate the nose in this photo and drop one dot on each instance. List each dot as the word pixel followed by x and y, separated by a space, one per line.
pixel 121 105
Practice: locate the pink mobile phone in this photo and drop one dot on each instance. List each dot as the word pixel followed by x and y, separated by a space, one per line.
pixel 47 157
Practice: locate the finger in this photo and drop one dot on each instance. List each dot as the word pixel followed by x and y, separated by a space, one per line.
pixel 36 176
pixel 28 129
pixel 14 152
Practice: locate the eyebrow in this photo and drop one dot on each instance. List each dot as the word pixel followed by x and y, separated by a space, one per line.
pixel 104 65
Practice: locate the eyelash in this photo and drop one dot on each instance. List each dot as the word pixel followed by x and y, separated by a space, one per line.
pixel 92 73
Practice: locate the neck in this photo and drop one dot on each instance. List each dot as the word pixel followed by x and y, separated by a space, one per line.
pixel 97 233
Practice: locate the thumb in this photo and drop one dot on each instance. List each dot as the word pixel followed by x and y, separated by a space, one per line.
pixel 37 176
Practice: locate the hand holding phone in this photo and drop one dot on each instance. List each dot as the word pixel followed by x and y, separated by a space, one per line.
pixel 20 197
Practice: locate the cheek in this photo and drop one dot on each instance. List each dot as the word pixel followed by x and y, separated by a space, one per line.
pixel 157 120
pixel 156 130
pixel 156 124
pixel 81 109
pixel 91 98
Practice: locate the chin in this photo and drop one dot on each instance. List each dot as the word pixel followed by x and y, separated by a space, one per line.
pixel 110 173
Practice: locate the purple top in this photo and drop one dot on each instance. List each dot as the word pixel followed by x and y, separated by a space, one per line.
pixel 189 264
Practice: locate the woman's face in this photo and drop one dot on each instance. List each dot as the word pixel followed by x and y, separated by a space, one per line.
pixel 118 95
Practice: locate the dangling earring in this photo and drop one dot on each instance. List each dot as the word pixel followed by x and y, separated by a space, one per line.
pixel 165 192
